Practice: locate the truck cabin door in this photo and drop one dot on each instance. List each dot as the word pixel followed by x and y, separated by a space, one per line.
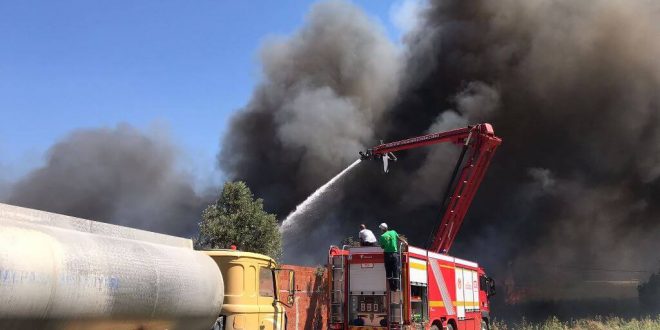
pixel 271 313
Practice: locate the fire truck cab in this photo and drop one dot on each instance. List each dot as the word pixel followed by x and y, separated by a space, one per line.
pixel 437 291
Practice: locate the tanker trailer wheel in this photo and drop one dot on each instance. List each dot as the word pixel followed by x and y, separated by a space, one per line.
pixel 484 325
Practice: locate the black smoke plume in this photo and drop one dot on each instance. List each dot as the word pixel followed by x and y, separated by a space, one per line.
pixel 570 86
pixel 116 175
pixel 324 93
pixel 574 188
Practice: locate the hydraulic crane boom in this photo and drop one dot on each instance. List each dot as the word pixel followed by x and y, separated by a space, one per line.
pixel 479 144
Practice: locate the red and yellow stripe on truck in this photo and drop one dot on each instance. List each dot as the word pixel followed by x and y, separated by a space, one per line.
pixel 436 289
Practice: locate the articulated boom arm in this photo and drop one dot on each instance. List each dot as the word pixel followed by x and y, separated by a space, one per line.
pixel 479 144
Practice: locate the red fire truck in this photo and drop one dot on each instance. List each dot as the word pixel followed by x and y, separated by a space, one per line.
pixel 437 291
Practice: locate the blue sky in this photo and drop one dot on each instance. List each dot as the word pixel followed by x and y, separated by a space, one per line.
pixel 184 65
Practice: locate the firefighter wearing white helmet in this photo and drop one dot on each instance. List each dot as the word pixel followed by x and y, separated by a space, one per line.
pixel 389 241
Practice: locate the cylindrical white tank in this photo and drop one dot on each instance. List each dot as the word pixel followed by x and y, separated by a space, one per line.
pixel 59 272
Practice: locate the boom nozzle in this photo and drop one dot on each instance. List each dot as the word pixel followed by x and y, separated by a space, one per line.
pixel 386 157
pixel 366 155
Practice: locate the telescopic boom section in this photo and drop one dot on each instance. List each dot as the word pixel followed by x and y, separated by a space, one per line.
pixel 479 144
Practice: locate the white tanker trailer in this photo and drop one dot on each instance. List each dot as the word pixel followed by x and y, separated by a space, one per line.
pixel 61 272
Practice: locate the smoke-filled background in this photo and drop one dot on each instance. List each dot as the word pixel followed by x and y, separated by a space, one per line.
pixel 569 207
pixel 117 175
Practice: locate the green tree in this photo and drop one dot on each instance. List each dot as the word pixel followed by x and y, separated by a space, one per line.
pixel 649 293
pixel 236 218
pixel 350 241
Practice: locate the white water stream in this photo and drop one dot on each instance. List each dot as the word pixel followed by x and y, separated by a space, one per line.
pixel 298 214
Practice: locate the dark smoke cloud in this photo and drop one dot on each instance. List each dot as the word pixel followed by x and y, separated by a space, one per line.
pixel 575 183
pixel 117 175
pixel 5 187
pixel 5 184
pixel 570 86
pixel 324 93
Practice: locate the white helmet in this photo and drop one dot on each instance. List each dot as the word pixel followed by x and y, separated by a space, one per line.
pixel 383 226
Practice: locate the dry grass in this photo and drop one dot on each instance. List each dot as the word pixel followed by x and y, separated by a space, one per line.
pixel 596 323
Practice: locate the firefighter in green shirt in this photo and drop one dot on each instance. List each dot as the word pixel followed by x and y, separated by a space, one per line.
pixel 389 241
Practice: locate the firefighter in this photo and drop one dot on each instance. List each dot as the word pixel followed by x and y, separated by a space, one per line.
pixel 389 241
pixel 366 236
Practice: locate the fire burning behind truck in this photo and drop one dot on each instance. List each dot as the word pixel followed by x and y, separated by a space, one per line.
pixel 571 199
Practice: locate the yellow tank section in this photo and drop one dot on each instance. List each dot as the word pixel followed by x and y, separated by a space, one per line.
pixel 250 291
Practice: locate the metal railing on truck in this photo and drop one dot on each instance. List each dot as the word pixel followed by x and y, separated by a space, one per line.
pixel 337 289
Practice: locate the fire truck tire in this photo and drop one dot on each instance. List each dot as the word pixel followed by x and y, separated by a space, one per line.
pixel 434 327
pixel 450 327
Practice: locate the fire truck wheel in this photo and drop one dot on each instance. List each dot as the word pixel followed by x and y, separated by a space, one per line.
pixel 450 327
pixel 434 327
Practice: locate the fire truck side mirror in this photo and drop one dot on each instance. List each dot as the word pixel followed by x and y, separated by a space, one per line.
pixel 487 285
pixel 292 286
pixel 490 286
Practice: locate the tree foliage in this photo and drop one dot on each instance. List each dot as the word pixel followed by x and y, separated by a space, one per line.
pixel 236 218
pixel 350 241
pixel 649 292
